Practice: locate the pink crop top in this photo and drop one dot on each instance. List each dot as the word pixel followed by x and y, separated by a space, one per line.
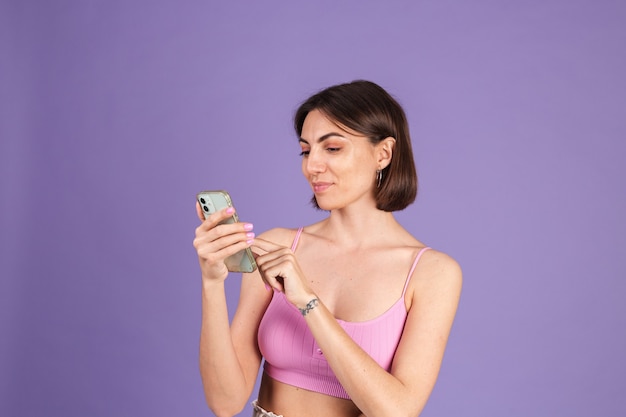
pixel 293 357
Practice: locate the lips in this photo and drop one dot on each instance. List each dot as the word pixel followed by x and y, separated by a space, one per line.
pixel 320 187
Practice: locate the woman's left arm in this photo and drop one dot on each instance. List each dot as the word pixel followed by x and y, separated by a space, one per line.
pixel 436 288
pixel 405 390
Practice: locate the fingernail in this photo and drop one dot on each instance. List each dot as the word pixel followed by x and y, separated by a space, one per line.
pixel 230 210
pixel 250 235
pixel 268 288
pixel 248 226
pixel 250 241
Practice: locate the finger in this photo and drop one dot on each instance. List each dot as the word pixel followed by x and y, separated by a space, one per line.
pixel 275 270
pixel 275 282
pixel 213 256
pixel 266 245
pixel 270 258
pixel 256 252
pixel 213 219
pixel 213 242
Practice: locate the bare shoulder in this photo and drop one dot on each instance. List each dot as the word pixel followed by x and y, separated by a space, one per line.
pixel 437 270
pixel 439 262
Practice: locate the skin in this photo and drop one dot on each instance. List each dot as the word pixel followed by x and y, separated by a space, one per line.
pixel 365 252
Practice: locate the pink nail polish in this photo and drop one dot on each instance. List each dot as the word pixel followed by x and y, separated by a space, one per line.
pixel 248 226
pixel 268 288
pixel 250 235
pixel 230 210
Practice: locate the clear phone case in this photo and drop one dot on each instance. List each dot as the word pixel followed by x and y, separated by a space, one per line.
pixel 212 201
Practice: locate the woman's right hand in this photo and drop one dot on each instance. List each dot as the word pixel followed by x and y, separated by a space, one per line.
pixel 215 242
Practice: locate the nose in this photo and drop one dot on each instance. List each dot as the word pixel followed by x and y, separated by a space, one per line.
pixel 314 162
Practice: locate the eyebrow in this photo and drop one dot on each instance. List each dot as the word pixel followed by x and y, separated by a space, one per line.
pixel 323 138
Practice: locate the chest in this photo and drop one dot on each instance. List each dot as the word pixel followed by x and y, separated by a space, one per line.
pixel 357 286
pixel 292 354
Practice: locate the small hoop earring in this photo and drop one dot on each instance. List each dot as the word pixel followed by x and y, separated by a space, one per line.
pixel 379 177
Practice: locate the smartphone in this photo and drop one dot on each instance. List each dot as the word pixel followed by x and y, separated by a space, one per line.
pixel 212 201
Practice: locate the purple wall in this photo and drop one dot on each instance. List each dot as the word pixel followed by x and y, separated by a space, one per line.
pixel 115 113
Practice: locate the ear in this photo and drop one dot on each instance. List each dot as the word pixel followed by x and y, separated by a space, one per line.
pixel 384 152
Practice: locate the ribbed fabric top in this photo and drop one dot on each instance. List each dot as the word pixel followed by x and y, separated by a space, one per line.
pixel 293 357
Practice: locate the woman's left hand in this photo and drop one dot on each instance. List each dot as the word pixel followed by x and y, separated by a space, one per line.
pixel 281 271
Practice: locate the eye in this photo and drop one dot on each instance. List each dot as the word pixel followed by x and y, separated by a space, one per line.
pixel 305 152
pixel 333 150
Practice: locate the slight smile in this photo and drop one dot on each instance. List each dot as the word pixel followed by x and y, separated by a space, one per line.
pixel 319 187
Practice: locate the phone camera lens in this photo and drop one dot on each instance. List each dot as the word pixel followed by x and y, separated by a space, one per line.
pixel 202 200
pixel 205 208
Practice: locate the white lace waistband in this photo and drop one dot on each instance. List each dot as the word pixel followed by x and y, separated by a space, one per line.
pixel 260 411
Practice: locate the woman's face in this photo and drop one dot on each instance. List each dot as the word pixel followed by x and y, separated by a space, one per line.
pixel 339 165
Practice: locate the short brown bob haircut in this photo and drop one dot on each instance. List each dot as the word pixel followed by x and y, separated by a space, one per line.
pixel 366 108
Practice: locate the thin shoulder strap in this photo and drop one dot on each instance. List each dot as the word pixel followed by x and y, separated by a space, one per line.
pixel 296 239
pixel 417 258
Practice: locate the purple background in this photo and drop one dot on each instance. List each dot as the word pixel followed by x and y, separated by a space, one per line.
pixel 115 113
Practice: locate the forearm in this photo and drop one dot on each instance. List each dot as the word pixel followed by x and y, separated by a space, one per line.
pixel 222 374
pixel 374 391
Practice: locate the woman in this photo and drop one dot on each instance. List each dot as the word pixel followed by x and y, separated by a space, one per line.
pixel 351 314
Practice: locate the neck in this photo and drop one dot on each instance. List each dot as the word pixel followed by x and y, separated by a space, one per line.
pixel 358 227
